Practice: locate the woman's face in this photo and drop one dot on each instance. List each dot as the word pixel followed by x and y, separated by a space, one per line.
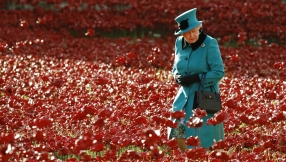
pixel 192 36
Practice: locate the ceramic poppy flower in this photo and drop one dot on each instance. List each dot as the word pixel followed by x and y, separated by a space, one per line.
pixel 90 32
pixel 219 155
pixel 172 143
pixel 212 121
pixel 178 114
pixel 3 46
pixel 199 113
pixel 196 153
pixel 278 65
pixel 193 141
pixel 24 23
pixel 195 122
pixel 131 55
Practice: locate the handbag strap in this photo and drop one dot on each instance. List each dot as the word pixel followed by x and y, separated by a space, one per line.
pixel 202 83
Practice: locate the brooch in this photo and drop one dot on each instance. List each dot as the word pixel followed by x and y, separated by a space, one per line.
pixel 203 45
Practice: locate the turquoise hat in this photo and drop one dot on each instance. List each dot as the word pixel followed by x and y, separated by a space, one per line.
pixel 187 21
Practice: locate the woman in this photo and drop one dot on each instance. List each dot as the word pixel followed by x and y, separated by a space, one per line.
pixel 195 53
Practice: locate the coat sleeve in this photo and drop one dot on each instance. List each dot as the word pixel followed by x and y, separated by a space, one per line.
pixel 216 67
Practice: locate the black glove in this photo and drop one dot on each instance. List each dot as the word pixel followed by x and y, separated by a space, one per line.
pixel 187 80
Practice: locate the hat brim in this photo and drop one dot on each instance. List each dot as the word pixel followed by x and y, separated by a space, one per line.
pixel 178 32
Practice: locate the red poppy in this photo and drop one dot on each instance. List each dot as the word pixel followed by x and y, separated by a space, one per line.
pixel 195 122
pixel 212 121
pixel 199 113
pixel 170 123
pixel 131 55
pixel 97 147
pixel 193 141
pixel 151 134
pixel 197 153
pixel 172 143
pixel 90 32
pixel 220 116
pixel 99 122
pixel 178 114
pixel 141 120
pixel 219 155
pixel 105 113
pixel 3 46
pixel 24 23
pixel 262 119
pixel 43 122
pixel 278 65
pixel 132 154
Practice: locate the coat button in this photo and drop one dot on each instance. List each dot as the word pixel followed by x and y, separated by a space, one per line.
pixel 186 72
pixel 186 58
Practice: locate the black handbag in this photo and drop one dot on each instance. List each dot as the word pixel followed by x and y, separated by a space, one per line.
pixel 207 100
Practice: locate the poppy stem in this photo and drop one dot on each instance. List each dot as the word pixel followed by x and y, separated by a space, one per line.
pixel 260 137
pixel 195 132
pixel 214 132
pixel 199 132
pixel 281 133
pixel 220 133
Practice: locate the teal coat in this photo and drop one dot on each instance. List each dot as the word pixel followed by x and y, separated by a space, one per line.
pixel 201 57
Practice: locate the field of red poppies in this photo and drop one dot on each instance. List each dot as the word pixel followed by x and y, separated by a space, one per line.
pixel 91 80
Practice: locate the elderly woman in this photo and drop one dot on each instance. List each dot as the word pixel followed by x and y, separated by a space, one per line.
pixel 195 53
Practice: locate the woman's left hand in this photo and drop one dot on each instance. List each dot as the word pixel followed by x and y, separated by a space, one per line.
pixel 187 80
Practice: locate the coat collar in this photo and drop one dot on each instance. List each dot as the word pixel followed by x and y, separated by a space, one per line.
pixel 195 45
